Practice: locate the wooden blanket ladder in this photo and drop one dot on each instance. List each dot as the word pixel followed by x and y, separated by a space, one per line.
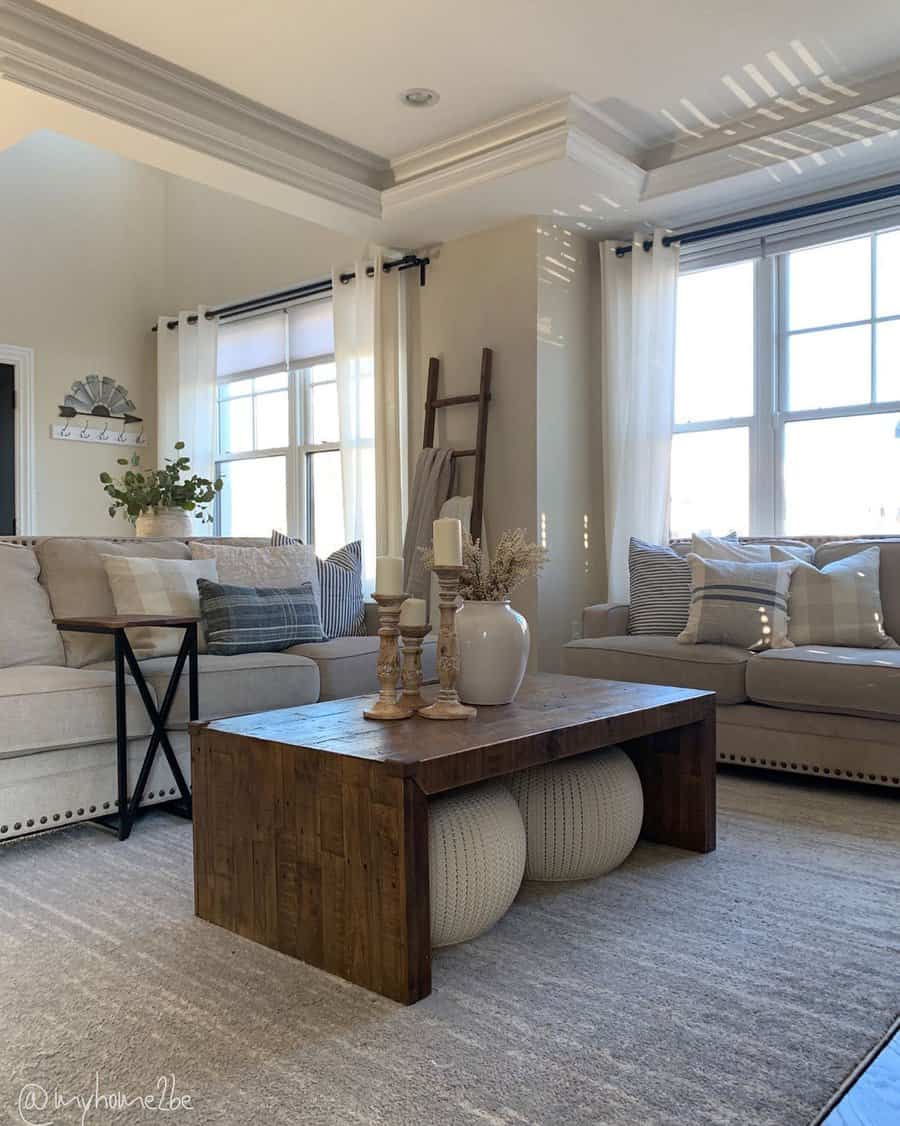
pixel 433 404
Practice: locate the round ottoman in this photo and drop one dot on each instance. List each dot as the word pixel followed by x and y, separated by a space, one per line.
pixel 582 815
pixel 476 846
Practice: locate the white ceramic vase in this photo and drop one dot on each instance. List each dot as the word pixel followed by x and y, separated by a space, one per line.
pixel 493 652
pixel 164 524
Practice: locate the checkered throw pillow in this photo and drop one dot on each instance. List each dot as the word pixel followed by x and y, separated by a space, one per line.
pixel 736 603
pixel 246 619
pixel 340 588
pixel 839 605
pixel 156 586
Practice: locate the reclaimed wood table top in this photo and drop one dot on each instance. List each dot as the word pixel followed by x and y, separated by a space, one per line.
pixel 109 623
pixel 553 716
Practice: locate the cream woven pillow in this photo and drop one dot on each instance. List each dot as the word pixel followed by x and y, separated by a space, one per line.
pixel 157 586
pixel 839 605
pixel 288 566
pixel 735 603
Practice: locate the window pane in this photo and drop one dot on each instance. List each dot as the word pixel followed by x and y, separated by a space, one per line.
pixel 842 476
pixel 325 426
pixel 253 500
pixel 830 284
pixel 277 381
pixel 323 373
pixel 236 426
pixel 830 368
pixel 887 369
pixel 714 344
pixel 887 282
pixel 327 501
pixel 272 420
pixel 235 388
pixel 711 482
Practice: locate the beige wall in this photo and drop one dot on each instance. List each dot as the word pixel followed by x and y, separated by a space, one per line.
pixel 567 518
pixel 83 267
pixel 221 249
pixel 481 292
pixel 96 248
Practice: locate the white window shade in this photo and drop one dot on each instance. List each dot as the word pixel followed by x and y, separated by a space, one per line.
pixel 311 331
pixel 254 346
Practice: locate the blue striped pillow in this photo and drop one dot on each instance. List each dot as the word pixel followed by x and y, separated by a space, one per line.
pixel 246 619
pixel 660 589
pixel 340 584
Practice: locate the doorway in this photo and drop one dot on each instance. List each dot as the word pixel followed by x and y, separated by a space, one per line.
pixel 7 450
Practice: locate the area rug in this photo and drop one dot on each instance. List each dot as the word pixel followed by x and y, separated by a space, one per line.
pixel 734 988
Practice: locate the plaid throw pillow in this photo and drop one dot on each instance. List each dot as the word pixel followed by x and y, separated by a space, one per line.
pixel 340 588
pixel 735 603
pixel 660 589
pixel 245 619
pixel 839 605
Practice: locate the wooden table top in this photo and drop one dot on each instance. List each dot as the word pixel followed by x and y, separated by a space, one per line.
pixel 552 716
pixel 112 622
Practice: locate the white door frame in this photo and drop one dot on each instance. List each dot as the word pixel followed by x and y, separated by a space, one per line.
pixel 22 360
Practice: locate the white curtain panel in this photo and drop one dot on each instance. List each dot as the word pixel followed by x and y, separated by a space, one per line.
pixel 638 389
pixel 370 357
pixel 186 389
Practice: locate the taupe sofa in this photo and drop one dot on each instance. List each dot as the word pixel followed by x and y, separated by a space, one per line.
pixel 812 709
pixel 57 707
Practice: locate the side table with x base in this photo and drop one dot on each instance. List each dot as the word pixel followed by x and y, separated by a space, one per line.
pixel 115 626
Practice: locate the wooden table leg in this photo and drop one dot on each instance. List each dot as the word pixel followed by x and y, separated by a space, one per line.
pixel 321 856
pixel 678 773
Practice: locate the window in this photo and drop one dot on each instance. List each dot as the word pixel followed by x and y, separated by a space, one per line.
pixel 278 430
pixel 787 393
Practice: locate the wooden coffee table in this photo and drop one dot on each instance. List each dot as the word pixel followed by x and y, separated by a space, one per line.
pixel 311 823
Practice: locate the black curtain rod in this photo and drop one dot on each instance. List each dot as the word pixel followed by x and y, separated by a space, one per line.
pixel 823 207
pixel 312 289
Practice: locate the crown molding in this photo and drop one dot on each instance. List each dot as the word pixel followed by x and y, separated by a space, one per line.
pixel 53 54
pixel 562 129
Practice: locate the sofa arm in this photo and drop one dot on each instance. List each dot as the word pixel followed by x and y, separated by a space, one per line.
pixel 607 619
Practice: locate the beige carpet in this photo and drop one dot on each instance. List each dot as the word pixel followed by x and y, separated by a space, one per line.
pixel 737 988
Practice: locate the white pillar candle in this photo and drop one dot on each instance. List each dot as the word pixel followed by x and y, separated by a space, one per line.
pixel 447 542
pixel 389 575
pixel 413 612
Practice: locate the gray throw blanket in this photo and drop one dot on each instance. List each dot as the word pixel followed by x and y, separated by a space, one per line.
pixel 431 486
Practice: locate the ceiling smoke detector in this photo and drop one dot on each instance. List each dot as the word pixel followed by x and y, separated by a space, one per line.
pixel 420 97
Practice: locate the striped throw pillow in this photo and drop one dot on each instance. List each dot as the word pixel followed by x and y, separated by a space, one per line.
pixel 660 589
pixel 246 619
pixel 340 588
pixel 737 603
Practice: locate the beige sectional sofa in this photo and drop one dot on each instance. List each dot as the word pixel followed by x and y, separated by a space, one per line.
pixel 57 692
pixel 812 709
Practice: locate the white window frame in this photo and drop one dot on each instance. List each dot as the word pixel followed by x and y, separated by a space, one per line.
pixel 300 447
pixel 767 425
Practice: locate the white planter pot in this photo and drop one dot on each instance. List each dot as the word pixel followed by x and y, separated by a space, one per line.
pixel 493 652
pixel 164 524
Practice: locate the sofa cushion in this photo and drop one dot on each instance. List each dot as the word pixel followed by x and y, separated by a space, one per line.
pixel 863 682
pixel 29 636
pixel 661 660
pixel 44 707
pixel 888 573
pixel 347 665
pixel 72 571
pixel 251 682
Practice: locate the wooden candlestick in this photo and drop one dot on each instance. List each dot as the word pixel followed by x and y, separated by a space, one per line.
pixel 413 636
pixel 387 706
pixel 447 705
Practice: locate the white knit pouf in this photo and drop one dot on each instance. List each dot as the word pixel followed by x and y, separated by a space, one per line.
pixel 476 845
pixel 582 815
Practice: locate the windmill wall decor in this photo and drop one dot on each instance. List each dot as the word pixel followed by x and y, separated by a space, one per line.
pixel 102 399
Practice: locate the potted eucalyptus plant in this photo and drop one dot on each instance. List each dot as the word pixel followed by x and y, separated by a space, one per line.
pixel 493 638
pixel 162 503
